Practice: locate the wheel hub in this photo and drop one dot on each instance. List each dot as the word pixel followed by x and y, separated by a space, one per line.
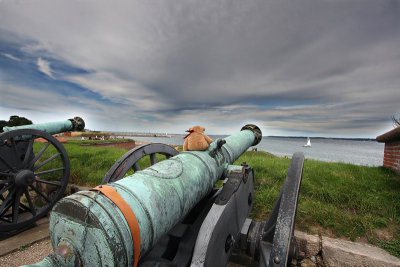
pixel 24 178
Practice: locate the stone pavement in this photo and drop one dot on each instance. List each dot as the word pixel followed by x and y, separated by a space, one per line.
pixel 333 252
pixel 343 253
pixel 30 236
pixel 38 232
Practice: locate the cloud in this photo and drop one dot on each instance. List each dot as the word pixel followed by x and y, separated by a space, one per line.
pixel 11 57
pixel 27 98
pixel 44 66
pixel 119 90
pixel 305 67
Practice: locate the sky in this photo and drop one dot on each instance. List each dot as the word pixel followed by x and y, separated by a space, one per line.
pixel 293 68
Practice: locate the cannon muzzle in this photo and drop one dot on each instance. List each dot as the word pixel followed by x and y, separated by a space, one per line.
pixel 88 228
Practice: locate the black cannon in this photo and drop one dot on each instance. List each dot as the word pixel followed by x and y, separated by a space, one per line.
pixel 34 172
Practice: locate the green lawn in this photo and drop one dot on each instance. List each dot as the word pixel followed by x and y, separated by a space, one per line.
pixel 336 199
pixel 89 164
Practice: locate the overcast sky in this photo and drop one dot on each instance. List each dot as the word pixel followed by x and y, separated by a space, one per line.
pixel 313 68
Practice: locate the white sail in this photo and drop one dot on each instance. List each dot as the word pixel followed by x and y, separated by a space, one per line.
pixel 308 142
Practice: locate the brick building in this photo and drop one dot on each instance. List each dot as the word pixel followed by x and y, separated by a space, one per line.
pixel 391 157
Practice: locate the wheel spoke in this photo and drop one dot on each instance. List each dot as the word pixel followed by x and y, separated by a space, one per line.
pixel 6 207
pixel 6 174
pixel 5 219
pixel 136 167
pixel 39 154
pixel 4 189
pixel 6 163
pixel 48 182
pixel 6 203
pixel 153 159
pixel 5 181
pixel 28 198
pixel 14 148
pixel 23 207
pixel 28 152
pixel 46 161
pixel 49 171
pixel 40 193
pixel 16 206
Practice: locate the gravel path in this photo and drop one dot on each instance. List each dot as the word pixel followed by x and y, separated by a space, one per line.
pixel 32 254
pixel 36 252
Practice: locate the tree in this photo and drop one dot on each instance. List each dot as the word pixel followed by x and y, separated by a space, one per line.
pixel 15 121
pixel 396 122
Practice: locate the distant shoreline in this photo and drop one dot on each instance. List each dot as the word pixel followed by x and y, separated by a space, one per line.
pixel 333 138
pixel 168 135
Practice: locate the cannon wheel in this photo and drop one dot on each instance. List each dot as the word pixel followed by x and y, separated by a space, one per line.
pixel 30 182
pixel 130 159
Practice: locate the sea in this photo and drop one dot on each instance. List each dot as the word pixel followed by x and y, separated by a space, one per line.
pixel 354 151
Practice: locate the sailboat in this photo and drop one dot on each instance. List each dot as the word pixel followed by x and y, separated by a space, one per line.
pixel 308 143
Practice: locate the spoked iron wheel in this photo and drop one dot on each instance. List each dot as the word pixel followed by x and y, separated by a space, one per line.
pixel 34 172
pixel 129 161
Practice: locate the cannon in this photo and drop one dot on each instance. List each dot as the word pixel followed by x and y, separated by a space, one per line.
pixel 34 172
pixel 171 213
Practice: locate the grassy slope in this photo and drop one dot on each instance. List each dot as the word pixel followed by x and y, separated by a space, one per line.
pixel 90 164
pixel 336 199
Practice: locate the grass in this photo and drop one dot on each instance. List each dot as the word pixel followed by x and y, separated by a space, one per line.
pixel 24 247
pixel 392 246
pixel 90 164
pixel 95 142
pixel 336 199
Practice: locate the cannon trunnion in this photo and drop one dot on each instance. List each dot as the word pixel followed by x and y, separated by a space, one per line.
pixel 34 172
pixel 180 218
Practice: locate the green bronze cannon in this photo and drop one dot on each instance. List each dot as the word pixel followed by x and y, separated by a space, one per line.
pixel 170 214
pixel 34 172
pixel 75 124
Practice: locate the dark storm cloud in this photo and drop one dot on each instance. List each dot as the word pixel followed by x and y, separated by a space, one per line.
pixel 322 66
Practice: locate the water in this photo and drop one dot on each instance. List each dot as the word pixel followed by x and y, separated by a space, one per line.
pixel 369 153
pixel 349 151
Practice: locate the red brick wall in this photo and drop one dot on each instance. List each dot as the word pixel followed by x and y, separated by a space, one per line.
pixel 391 158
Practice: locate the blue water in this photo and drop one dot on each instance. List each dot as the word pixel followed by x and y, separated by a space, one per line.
pixel 369 153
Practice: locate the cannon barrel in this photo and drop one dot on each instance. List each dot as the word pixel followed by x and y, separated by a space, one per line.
pixel 88 229
pixel 75 124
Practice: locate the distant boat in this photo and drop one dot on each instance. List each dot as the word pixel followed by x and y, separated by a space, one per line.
pixel 308 143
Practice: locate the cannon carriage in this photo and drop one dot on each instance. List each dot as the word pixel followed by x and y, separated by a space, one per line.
pixel 170 214
pixel 34 172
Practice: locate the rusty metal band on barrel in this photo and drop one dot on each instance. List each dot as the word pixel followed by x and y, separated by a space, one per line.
pixel 128 214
